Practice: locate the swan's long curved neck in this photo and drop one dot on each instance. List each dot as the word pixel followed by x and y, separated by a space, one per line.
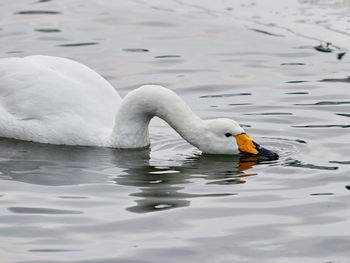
pixel 141 105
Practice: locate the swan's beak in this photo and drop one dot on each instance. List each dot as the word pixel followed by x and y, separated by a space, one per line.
pixel 247 145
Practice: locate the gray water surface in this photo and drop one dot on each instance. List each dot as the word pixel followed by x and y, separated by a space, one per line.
pixel 280 69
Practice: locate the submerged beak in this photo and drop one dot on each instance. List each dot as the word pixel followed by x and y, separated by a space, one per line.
pixel 247 145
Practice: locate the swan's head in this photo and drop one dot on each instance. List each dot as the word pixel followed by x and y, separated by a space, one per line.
pixel 225 136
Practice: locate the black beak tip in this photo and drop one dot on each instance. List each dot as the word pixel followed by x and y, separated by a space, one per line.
pixel 263 152
pixel 267 153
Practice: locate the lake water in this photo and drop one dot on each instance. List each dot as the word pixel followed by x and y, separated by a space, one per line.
pixel 280 68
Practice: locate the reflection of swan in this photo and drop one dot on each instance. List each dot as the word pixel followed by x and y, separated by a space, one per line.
pixel 161 189
pixel 154 188
pixel 59 101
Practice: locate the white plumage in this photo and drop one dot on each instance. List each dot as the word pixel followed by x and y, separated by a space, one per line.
pixel 55 100
pixel 59 101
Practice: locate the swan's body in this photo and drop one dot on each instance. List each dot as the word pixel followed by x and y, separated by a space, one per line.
pixel 55 100
pixel 60 101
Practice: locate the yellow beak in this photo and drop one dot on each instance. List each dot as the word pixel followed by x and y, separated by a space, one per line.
pixel 245 144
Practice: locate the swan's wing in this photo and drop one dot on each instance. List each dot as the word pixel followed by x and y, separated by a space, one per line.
pixel 41 94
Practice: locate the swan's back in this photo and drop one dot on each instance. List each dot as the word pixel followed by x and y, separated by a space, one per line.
pixel 55 100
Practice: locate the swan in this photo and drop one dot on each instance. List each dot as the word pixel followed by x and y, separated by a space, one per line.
pixel 56 100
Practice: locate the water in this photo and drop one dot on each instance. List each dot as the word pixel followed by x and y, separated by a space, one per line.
pixel 268 65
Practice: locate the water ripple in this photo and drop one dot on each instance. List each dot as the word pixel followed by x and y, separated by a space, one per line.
pixel 344 80
pixel 293 64
pixel 265 32
pixel 324 103
pixel 54 250
pixel 43 1
pixel 168 56
pixel 37 12
pixel 36 210
pixel 322 126
pixel 340 162
pixel 78 44
pixel 298 93
pixel 136 50
pixel 226 95
pixel 48 30
pixel 299 164
pixel 269 113
pixel 297 81
pixel 343 114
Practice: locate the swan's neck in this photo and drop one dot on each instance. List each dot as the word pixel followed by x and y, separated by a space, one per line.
pixel 141 105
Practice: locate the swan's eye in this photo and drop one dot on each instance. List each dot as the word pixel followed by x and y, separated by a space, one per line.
pixel 228 134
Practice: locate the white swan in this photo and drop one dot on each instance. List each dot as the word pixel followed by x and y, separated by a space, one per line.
pixel 59 101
